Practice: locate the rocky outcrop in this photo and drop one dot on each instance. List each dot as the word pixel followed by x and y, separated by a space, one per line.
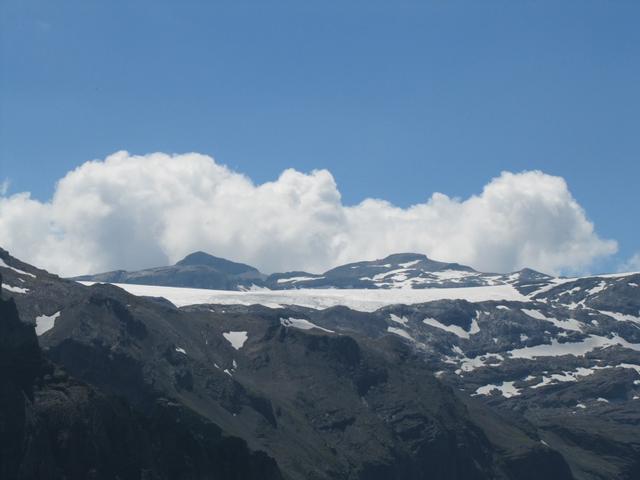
pixel 55 427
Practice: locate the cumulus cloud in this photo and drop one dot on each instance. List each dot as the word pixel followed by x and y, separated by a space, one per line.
pixel 4 186
pixel 632 264
pixel 132 211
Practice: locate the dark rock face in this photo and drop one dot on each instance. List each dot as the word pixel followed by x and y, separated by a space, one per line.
pixel 54 427
pixel 320 405
pixel 342 394
pixel 220 264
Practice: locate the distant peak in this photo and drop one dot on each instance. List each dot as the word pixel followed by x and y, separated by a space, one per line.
pixel 531 273
pixel 404 257
pixel 200 258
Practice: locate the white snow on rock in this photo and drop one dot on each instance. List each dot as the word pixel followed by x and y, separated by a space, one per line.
pixel 628 365
pixel 474 327
pixel 302 324
pixel 534 314
pixel 598 288
pixel 553 283
pixel 568 324
pixel 579 349
pixel 397 319
pixel 297 279
pixel 21 272
pixel 621 317
pixel 409 264
pixel 13 289
pixel 400 332
pixel 44 323
pixel 506 389
pixel 469 364
pixel 236 339
pixel 455 329
pixel 564 377
pixel 367 300
pixel 453 274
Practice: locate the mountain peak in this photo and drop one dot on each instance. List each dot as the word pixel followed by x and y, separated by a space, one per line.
pixel 200 258
pixel 423 262
pixel 531 274
pixel 404 257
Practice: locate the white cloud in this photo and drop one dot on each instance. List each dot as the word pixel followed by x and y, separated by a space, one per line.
pixel 138 211
pixel 632 264
pixel 4 186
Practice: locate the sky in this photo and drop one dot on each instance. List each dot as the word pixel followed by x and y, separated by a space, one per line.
pixel 390 102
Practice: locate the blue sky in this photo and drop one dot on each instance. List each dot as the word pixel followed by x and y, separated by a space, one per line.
pixel 397 99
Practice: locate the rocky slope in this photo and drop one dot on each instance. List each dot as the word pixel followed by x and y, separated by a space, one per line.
pixel 55 427
pixel 326 394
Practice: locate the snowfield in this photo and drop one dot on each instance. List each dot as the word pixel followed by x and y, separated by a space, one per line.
pixel 357 299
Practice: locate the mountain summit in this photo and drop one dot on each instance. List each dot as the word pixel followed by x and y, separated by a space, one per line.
pixel 196 270
pixel 203 259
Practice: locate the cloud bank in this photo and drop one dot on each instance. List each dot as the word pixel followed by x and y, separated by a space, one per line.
pixel 632 264
pixel 130 212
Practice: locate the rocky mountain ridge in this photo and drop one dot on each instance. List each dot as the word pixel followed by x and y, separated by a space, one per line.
pixel 322 404
pixel 548 377
pixel 401 270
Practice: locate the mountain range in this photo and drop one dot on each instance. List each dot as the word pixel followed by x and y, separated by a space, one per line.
pixel 398 368
pixel 402 270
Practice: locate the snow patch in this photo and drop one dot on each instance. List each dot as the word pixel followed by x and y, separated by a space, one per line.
pixel 470 364
pixel 506 389
pixel 564 377
pixel 302 324
pixel 556 349
pixel 13 289
pixel 455 329
pixel 297 279
pixel 44 323
pixel 568 324
pixel 397 319
pixel 621 317
pixel 409 264
pixel 236 339
pixel 21 272
pixel 399 331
